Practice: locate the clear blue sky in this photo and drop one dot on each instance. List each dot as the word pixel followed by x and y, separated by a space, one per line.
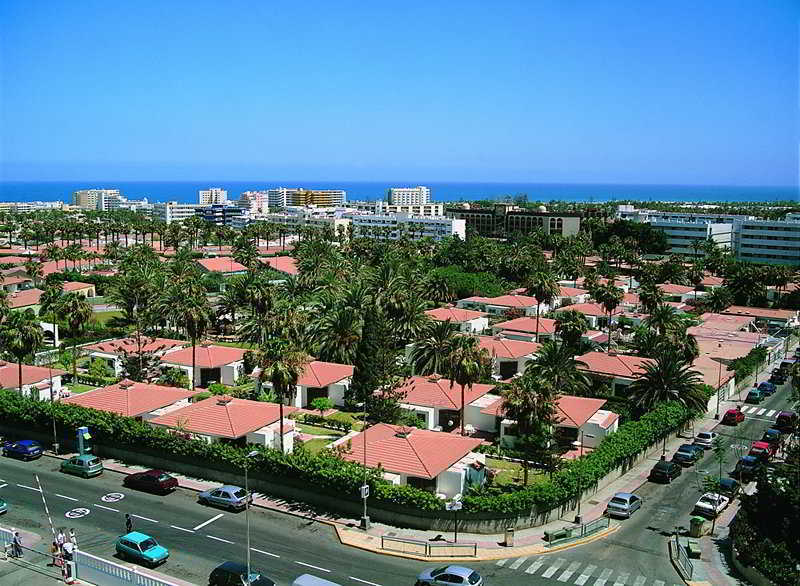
pixel 566 91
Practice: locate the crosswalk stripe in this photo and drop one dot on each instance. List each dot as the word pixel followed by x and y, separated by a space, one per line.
pixel 771 412
pixel 502 562
pixel 534 566
pixel 554 568
pixel 601 581
pixel 587 573
pixel 566 574
pixel 622 578
pixel 761 411
pixel 517 563
pixel 640 580
pixel 658 583
pixel 746 409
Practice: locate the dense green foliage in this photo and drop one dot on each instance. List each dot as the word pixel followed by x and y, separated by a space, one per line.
pixel 747 365
pixel 466 284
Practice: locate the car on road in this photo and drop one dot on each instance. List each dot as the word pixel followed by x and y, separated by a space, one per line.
pixel 746 467
pixel 764 451
pixel 687 455
pixel 85 465
pixel 234 574
pixel 227 496
pixel 665 471
pixel 623 504
pixel 754 397
pixel 786 421
pixel 711 504
pixel 733 417
pixel 3 506
pixel 767 388
pixel 449 576
pixel 777 377
pixel 705 439
pixel 155 481
pixel 23 449
pixel 141 548
pixel 729 487
pixel 772 436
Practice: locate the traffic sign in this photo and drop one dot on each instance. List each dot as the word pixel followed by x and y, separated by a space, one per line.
pixel 77 513
pixel 365 491
pixel 112 497
pixel 454 506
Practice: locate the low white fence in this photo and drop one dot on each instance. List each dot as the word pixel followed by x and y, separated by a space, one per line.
pixel 99 571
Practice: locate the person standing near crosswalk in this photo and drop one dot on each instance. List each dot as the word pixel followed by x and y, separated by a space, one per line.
pixel 72 537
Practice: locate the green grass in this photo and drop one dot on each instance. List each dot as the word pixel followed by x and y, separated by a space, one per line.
pixel 316 430
pixel 103 316
pixel 352 418
pixel 77 388
pixel 511 473
pixel 316 445
pixel 245 346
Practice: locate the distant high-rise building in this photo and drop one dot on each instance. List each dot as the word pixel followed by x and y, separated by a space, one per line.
pixel 212 195
pixel 172 211
pixel 409 195
pixel 257 202
pixel 94 198
pixel 282 197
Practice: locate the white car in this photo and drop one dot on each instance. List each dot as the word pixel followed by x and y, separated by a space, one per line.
pixel 705 439
pixel 711 504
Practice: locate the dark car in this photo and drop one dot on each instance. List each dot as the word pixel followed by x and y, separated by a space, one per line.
pixel 754 397
pixel 733 417
pixel 23 449
pixel 747 467
pixel 772 436
pixel 155 481
pixel 665 471
pixel 786 421
pixel 234 573
pixel 687 454
pixel 777 378
pixel 767 388
pixel 729 487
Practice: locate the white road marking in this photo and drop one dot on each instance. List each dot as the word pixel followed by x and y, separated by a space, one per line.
pixel 310 566
pixel 29 487
pixel 219 539
pixel 761 412
pixel 69 498
pixel 622 578
pixel 770 413
pixel 534 566
pixel 601 581
pixel 585 575
pixel 517 563
pixel 106 508
pixel 658 583
pixel 3 485
pixel 181 529
pixel 502 562
pixel 640 580
pixel 554 568
pixel 275 555
pixel 566 574
pixel 211 520
pixel 364 581
pixel 144 518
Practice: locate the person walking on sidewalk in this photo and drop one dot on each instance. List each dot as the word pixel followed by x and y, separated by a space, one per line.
pixel 16 545
pixel 68 549
pixel 72 537
pixel 55 554
pixel 60 538
pixel 128 523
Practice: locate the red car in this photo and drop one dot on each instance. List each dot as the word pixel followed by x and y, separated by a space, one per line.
pixel 733 417
pixel 763 450
pixel 151 481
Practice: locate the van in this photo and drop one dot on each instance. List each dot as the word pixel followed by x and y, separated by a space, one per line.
pixel 786 421
pixel 309 580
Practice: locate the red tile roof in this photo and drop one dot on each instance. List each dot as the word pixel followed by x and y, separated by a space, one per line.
pixel 574 411
pixel 713 371
pixel 205 356
pixel 505 348
pixel 416 452
pixel 730 323
pixel 9 374
pixel 130 398
pixel 712 281
pixel 594 309
pixel 75 286
pixel 528 324
pixel 631 299
pixel 223 416
pixel 571 291
pixel 129 345
pixel 673 289
pixel 322 374
pixel 603 281
pixel 13 280
pixel 761 312
pixel 283 264
pixel 617 365
pixel 506 300
pixel 221 264
pixel 430 391
pixel 24 298
pixel 14 260
pixel 454 314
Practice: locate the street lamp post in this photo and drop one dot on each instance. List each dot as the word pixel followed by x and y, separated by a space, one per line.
pixel 578 518
pixel 719 381
pixel 247 512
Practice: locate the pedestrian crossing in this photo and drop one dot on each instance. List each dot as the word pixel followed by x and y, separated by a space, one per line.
pixel 577 572
pixel 758 411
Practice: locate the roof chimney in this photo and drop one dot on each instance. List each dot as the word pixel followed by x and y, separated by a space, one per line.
pixel 403 432
pixel 126 384
pixel 434 378
pixel 224 400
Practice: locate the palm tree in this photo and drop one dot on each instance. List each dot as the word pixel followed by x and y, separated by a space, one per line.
pixel 466 362
pixel 668 378
pixel 609 297
pixel 186 303
pixel 695 275
pixel 542 285
pixel 34 271
pixel 338 334
pixel 650 297
pixel 663 318
pixel 430 354
pixel 76 311
pixel 50 303
pixel 571 326
pixel 554 362
pixel 717 300
pixel 21 336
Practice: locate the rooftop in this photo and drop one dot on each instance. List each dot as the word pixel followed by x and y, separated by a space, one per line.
pixel 75 286
pixel 574 411
pixel 9 374
pixel 594 309
pixel 528 325
pixel 130 345
pixel 673 289
pixel 434 391
pixel 454 314
pixel 283 264
pixel 130 398
pixel 505 348
pixel 505 300
pixel 221 264
pixel 206 356
pixel 731 323
pixel 616 365
pixel 761 312
pixel 24 298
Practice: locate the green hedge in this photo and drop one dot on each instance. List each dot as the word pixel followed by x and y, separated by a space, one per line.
pixel 329 422
pixel 747 365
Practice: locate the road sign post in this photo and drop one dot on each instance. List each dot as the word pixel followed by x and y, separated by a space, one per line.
pixel 454 506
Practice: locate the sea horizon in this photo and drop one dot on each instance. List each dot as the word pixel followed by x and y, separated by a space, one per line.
pixel 186 191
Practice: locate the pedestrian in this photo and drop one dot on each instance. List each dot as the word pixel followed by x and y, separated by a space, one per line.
pixel 60 538
pixel 55 554
pixel 128 523
pixel 17 545
pixel 72 537
pixel 68 549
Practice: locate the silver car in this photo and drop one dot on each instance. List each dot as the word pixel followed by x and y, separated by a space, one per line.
pixel 449 576
pixel 228 496
pixel 623 504
pixel 705 439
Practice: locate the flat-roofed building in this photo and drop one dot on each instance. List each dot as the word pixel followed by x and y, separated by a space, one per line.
pixel 212 195
pixel 409 195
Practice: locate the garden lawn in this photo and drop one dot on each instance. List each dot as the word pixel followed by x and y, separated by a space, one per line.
pixel 316 430
pixel 77 388
pixel 316 445
pixel 102 317
pixel 351 418
pixel 511 473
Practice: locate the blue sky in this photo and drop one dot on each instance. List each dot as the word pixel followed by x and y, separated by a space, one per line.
pixel 577 91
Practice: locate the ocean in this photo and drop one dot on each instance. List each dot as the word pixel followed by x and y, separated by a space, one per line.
pixel 186 191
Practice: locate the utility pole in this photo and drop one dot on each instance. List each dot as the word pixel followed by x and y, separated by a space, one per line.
pixel 248 498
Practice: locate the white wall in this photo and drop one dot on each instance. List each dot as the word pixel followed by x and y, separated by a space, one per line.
pixel 428 413
pixel 481 421
pixel 476 325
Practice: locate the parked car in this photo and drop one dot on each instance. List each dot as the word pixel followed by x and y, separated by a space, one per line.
pixel 151 481
pixel 3 506
pixel 23 449
pixel 141 548
pixel 687 455
pixel 227 496
pixel 786 421
pixel 772 436
pixel 746 467
pixel 730 487
pixel 623 504
pixel 234 573
pixel 777 377
pixel 705 439
pixel 764 451
pixel 733 417
pixel 754 397
pixel 711 504
pixel 767 388
pixel 665 471
pixel 85 465
pixel 449 576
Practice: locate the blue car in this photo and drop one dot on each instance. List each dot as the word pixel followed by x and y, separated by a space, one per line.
pixel 23 449
pixel 141 548
pixel 767 388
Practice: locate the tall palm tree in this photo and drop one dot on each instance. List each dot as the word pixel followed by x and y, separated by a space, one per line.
pixel 186 303
pixel 34 271
pixel 430 354
pixel 50 303
pixel 554 362
pixel 467 360
pixel 663 318
pixel 650 297
pixel 717 300
pixel 21 336
pixel 571 326
pixel 338 334
pixel 542 284
pixel 609 297
pixel 76 311
pixel 668 378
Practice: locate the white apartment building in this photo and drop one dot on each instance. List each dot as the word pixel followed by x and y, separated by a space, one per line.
pixel 409 195
pixel 769 241
pixel 629 212
pixel 93 198
pixel 23 207
pixel 212 195
pixel 382 207
pixel 394 226
pixel 282 197
pixel 172 211
pixel 681 234
pixel 256 202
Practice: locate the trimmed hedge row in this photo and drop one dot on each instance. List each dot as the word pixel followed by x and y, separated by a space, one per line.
pixel 329 422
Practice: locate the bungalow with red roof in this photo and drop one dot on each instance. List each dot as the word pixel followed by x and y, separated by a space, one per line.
pixel 680 293
pixel 112 351
pixel 14 283
pixel 595 313
pixel 715 373
pixel 774 318
pixel 282 264
pixel 710 282
pixel 319 379
pixel 509 357
pixel 225 265
pixel 463 320
pixel 14 260
pixel 524 329
pixel 219 364
pixel 132 399
pixel 500 305
pixel 225 418
pixel 624 284
pixel 36 380
pixel 25 299
pixel 620 370
pixel 442 463
pixel 570 296
pixel 729 323
pixel 85 289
